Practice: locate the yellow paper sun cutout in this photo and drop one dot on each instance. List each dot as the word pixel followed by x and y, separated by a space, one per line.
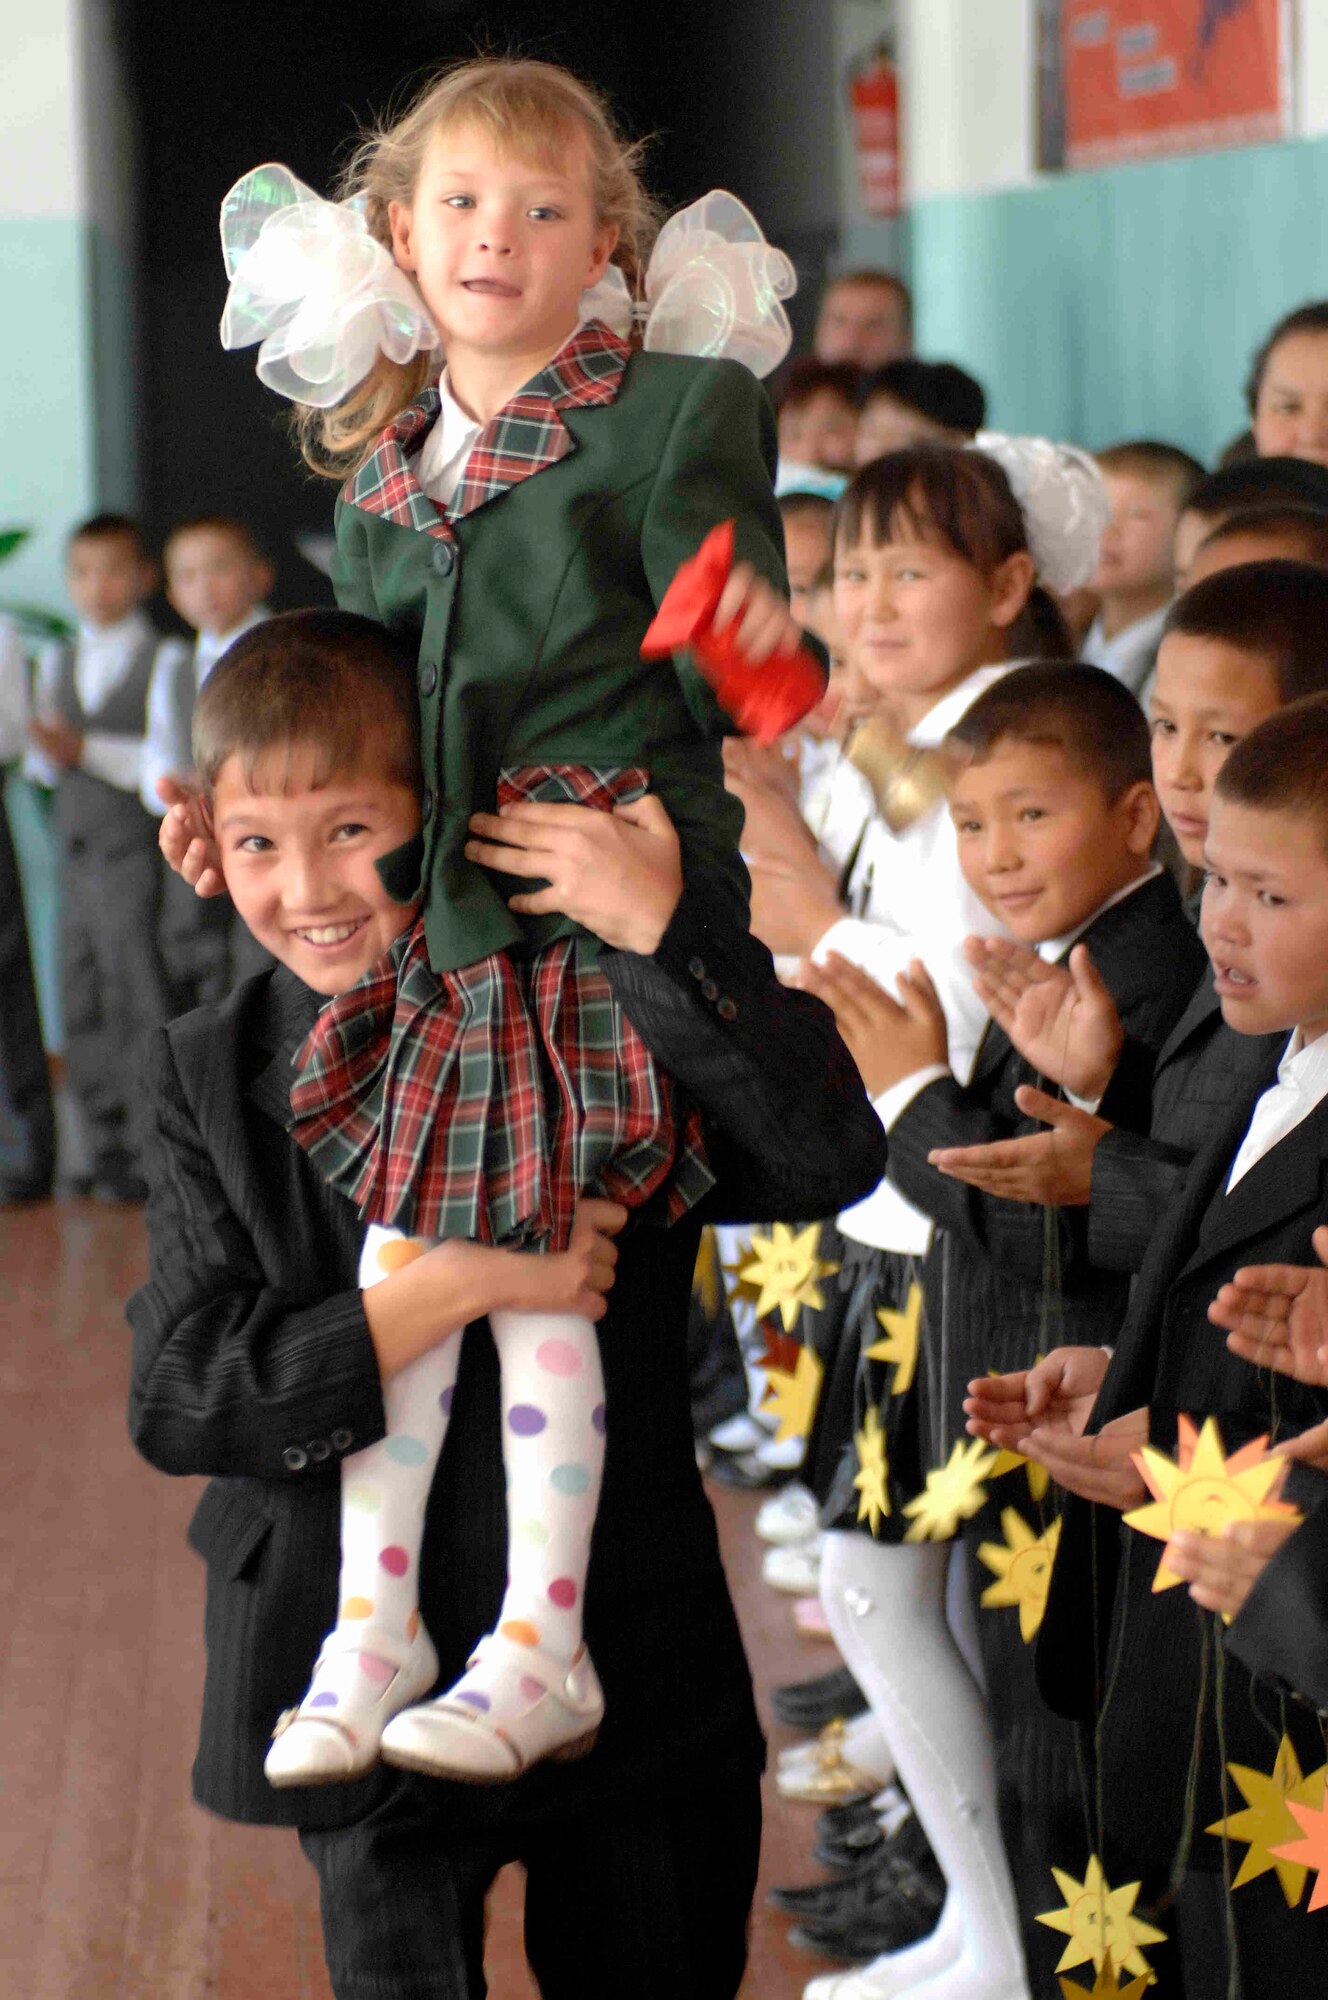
pixel 707 1276
pixel 1039 1479
pixel 1204 1491
pixel 1021 1565
pixel 792 1398
pixel 785 1271
pixel 1105 1987
pixel 900 1345
pixel 953 1493
pixel 1267 1822
pixel 872 1483
pixel 1099 1920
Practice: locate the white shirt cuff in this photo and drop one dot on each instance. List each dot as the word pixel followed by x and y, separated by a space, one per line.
pixel 894 1101
pixel 1088 1104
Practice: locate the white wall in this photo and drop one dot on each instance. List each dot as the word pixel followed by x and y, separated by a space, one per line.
pixel 39 173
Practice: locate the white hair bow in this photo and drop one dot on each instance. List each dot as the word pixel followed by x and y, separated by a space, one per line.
pixel 324 297
pixel 1063 497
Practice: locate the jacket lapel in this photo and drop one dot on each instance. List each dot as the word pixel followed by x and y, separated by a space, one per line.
pixel 1285 1182
pixel 290 1012
pixel 1204 1003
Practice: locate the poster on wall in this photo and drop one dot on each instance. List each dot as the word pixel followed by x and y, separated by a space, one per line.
pixel 1136 79
pixel 873 94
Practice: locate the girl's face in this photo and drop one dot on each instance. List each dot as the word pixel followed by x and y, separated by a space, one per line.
pixel 1291 409
pixel 917 617
pixel 501 246
pixel 819 430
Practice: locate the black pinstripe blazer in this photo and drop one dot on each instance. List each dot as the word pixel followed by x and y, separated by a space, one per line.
pixel 984 1278
pixel 1103 1621
pixel 252 1362
pixel 1173 1106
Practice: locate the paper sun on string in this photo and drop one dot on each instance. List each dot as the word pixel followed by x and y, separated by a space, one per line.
pixel 1021 1565
pixel 1311 1850
pixel 902 1331
pixel 786 1272
pixel 953 1493
pixel 872 1483
pixel 1105 1986
pixel 1098 1921
pixel 792 1397
pixel 1204 1491
pixel 1267 1819
pixel 707 1276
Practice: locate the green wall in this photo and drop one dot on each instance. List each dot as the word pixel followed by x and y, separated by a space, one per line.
pixel 1125 303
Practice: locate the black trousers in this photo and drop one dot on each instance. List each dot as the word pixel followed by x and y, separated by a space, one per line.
pixel 27 1125
pixel 649 1899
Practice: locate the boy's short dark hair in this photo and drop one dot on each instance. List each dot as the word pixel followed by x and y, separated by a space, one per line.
pixel 1260 482
pixel 1276 610
pixel 329 679
pixel 1307 526
pixel 883 281
pixel 215 524
pixel 808 507
pixel 938 390
pixel 1159 464
pixel 110 528
pixel 1282 765
pixel 807 377
pixel 1087 714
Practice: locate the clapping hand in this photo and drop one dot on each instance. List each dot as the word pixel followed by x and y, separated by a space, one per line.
pixel 888 1039
pixel 1053 1168
pixel 1276 1316
pixel 1057 1393
pixel 1062 1020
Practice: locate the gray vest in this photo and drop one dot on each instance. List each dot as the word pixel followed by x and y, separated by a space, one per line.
pixel 88 811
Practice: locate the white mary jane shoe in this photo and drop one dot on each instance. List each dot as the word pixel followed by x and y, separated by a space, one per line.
pixel 448 1738
pixel 332 1743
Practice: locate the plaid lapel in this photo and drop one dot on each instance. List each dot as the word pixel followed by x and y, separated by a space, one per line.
pixel 526 435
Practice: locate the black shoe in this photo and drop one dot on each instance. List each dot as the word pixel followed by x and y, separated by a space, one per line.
pixel 844 1834
pixel 810 1705
pixel 744 1470
pixel 15 1193
pixel 120 1188
pixel 906 1912
pixel 855 1889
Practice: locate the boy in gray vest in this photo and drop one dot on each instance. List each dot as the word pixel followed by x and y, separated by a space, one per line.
pixel 91 714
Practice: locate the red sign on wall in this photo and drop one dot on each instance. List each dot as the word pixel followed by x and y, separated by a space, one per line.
pixel 1143 77
pixel 874 99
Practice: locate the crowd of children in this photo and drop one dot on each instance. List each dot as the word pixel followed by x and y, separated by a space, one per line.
pixel 1003 1103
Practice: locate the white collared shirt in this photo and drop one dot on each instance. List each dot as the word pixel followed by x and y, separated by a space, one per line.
pixel 164 756
pixel 1131 653
pixel 102 655
pixel 910 900
pixel 446 451
pixel 1301 1086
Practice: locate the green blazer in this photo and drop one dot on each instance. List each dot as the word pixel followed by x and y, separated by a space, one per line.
pixel 529 611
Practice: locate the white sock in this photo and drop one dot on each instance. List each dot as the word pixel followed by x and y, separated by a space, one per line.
pixel 886 1608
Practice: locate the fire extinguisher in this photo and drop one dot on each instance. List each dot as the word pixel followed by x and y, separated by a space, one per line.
pixel 874 100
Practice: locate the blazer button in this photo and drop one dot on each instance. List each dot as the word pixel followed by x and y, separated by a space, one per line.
pixel 443 558
pixel 709 990
pixel 342 1440
pixel 696 968
pixel 294 1459
pixel 428 678
pixel 318 1449
pixel 727 1009
pixel 426 805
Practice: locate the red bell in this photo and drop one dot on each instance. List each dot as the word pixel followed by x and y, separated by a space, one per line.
pixel 764 697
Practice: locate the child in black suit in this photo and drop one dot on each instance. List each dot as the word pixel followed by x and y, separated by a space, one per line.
pixel 260 1360
pixel 1174 1713
pixel 1056 817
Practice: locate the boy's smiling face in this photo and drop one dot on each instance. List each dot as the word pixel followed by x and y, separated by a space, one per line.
pixel 1040 843
pixel 1265 919
pixel 298 848
pixel 1207 695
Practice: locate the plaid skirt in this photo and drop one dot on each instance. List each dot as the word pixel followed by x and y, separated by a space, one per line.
pixel 482 1103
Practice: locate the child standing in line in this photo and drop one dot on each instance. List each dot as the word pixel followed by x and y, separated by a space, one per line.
pixel 216 578
pixel 87 733
pixel 1148 485
pixel 521 520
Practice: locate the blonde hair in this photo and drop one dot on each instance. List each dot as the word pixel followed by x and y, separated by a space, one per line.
pixel 530 106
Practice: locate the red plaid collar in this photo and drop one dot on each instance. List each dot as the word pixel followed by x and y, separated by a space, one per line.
pixel 526 435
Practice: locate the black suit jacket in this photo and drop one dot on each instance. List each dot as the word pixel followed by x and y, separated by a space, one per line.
pixel 1281 1632
pixel 986 1276
pixel 1163 1112
pixel 1104 1626
pixel 253 1363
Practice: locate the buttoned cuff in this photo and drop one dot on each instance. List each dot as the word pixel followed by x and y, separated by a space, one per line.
pixel 891 1105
